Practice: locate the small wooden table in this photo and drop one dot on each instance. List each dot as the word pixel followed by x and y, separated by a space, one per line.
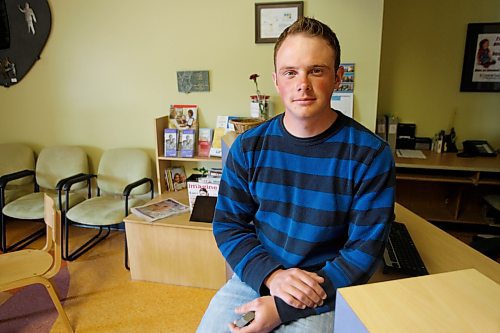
pixel 174 250
pixel 461 301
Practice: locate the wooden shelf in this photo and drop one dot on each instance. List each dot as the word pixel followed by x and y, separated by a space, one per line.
pixel 191 159
pixel 163 162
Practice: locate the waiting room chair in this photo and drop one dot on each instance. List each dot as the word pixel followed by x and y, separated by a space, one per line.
pixel 17 165
pixel 26 267
pixel 54 166
pixel 123 178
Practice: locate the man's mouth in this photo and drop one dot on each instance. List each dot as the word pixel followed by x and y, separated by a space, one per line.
pixel 304 100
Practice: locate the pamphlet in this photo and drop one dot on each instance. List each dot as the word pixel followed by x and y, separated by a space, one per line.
pixel 160 210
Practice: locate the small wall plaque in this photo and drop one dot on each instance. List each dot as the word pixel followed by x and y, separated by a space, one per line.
pixel 192 81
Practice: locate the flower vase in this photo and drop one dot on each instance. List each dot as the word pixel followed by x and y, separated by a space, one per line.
pixel 255 110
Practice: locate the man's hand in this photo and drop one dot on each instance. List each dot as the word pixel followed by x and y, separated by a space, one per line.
pixel 266 316
pixel 296 287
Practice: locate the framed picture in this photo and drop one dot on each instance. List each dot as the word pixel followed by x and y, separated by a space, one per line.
pixel 481 67
pixel 271 18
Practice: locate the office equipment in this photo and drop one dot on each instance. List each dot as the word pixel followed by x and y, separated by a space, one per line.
pixel 405 136
pixel 401 254
pixel 462 301
pixel 477 148
pixel 423 143
pixel 203 209
pixel 410 153
pixel 392 130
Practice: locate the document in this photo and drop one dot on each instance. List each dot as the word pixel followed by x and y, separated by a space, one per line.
pixel 410 153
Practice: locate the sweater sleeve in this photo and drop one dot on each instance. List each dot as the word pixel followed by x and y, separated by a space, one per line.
pixel 369 223
pixel 233 225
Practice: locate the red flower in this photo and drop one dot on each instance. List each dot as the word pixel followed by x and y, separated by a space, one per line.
pixel 254 77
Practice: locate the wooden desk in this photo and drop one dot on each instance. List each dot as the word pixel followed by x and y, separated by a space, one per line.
pixel 445 187
pixel 440 251
pixel 461 301
pixel 461 294
pixel 174 250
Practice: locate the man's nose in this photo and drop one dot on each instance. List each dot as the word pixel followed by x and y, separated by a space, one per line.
pixel 303 83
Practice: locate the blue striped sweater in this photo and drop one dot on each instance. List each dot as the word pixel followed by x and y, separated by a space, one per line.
pixel 323 204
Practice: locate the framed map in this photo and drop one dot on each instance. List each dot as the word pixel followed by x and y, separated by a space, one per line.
pixel 192 81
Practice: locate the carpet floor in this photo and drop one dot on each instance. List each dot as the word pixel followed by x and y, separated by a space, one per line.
pixel 98 295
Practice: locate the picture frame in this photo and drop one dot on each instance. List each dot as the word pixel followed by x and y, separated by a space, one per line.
pixel 481 66
pixel 271 18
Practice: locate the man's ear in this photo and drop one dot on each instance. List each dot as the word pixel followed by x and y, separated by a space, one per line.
pixel 275 80
pixel 338 76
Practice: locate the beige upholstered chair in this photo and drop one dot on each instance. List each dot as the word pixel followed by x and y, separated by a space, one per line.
pixel 26 267
pixel 123 179
pixel 17 165
pixel 53 167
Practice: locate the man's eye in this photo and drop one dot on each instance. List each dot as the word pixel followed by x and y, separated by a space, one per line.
pixel 317 71
pixel 288 73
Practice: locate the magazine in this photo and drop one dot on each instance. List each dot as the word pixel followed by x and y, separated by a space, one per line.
pixel 160 210
pixel 201 187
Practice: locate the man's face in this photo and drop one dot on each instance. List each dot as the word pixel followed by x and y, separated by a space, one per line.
pixel 305 75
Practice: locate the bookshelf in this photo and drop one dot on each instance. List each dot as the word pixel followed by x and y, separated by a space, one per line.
pixel 163 162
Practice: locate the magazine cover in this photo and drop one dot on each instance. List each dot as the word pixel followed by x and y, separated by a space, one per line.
pixel 183 116
pixel 160 210
pixel 196 188
pixel 187 141
pixel 170 138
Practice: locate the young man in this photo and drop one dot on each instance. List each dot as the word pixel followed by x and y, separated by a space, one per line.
pixel 305 202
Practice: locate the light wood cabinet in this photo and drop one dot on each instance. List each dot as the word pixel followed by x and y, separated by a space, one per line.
pixel 163 162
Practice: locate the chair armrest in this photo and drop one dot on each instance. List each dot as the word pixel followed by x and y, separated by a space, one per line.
pixel 70 181
pixel 63 181
pixel 15 175
pixel 131 186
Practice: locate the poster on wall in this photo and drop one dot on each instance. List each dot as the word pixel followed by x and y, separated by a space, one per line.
pixel 343 97
pixel 481 67
pixel 487 64
pixel 24 30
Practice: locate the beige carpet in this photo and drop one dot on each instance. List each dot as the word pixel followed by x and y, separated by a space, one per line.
pixel 103 298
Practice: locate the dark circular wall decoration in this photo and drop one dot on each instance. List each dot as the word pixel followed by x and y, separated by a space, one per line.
pixel 24 30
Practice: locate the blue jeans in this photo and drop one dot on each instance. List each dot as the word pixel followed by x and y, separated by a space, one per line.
pixel 235 293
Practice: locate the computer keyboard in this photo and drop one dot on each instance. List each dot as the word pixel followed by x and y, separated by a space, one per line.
pixel 401 255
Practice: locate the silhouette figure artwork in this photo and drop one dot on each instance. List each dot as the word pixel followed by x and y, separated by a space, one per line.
pixel 29 17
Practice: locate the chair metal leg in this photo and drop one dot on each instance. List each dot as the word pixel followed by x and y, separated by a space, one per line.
pixel 20 244
pixel 94 240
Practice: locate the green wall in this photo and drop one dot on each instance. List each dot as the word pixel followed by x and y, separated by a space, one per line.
pixel 422 55
pixel 109 68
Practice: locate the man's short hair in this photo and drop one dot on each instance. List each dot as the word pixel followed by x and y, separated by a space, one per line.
pixel 313 28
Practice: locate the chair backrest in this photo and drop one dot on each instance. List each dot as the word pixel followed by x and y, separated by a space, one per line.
pixel 58 162
pixel 52 218
pixel 16 157
pixel 121 166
